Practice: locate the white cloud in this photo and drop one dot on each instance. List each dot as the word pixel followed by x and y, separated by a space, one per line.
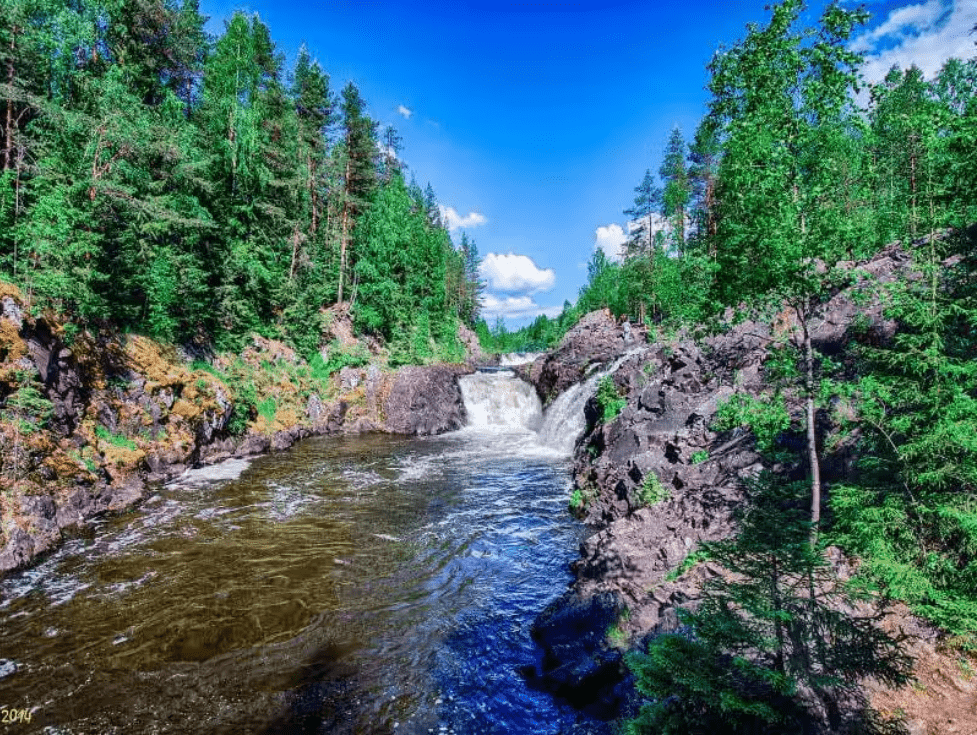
pixel 405 111
pixel 515 307
pixel 387 153
pixel 926 35
pixel 455 220
pixel 901 23
pixel 515 274
pixel 611 239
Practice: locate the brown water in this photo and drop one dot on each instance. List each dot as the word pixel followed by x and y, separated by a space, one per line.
pixel 364 585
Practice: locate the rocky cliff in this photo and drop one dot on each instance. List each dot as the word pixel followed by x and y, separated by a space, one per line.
pixel 89 421
pixel 657 479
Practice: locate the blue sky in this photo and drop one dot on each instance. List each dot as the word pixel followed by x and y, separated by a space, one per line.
pixel 534 120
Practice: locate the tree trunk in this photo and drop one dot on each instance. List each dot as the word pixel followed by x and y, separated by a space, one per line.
pixel 312 194
pixel 812 447
pixel 8 130
pixel 777 605
pixel 295 253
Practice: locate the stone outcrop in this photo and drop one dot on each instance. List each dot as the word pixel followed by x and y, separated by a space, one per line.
pixel 425 400
pixel 594 341
pixel 657 480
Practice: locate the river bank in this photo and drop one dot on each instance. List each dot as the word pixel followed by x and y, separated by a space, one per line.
pixel 94 421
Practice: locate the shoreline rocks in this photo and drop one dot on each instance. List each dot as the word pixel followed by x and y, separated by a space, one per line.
pixel 108 416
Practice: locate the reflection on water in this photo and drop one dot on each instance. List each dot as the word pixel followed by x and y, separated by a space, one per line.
pixel 354 585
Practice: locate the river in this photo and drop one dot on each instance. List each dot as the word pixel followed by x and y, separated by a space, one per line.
pixel 348 585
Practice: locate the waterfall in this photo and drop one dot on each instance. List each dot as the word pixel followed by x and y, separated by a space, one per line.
pixel 500 401
pixel 564 420
pixel 518 358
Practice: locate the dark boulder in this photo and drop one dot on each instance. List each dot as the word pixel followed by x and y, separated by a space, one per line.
pixel 577 664
pixel 425 400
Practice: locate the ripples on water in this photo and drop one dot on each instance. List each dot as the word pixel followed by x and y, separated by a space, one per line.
pixel 356 585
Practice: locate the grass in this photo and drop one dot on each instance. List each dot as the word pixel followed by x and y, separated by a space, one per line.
pixel 114 439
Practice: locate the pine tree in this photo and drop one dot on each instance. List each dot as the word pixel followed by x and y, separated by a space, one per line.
pixel 647 204
pixel 358 155
pixel 773 624
pixel 677 191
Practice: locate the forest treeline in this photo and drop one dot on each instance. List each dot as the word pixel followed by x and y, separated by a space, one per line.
pixel 798 171
pixel 797 159
pixel 194 189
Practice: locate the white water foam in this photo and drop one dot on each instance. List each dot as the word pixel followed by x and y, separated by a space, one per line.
pixel 500 401
pixel 503 403
pixel 230 469
pixel 518 358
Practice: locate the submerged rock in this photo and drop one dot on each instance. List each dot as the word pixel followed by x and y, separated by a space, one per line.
pixel 577 664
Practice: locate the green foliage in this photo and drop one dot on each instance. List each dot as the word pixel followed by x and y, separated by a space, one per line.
pixel 911 511
pixel 767 418
pixel 176 186
pixel 652 492
pixel 774 624
pixel 26 405
pixel 699 555
pixel 699 456
pixel 580 498
pixel 114 439
pixel 576 499
pixel 609 400
pixel 267 409
pixel 339 357
pixel 245 393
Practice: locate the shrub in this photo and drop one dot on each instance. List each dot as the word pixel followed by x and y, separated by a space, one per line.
pixel 114 439
pixel 652 491
pixel 766 418
pixel 610 402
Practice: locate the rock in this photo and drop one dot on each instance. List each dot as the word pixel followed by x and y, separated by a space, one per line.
pixel 595 340
pixel 12 311
pixel 577 664
pixel 425 400
pixel 253 444
pixel 350 378
pixel 314 409
pixel 662 443
pixel 473 348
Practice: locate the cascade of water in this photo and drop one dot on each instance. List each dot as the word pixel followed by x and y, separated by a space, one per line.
pixel 500 401
pixel 564 420
pixel 518 358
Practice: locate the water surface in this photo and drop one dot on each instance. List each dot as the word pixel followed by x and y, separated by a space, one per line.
pixel 348 585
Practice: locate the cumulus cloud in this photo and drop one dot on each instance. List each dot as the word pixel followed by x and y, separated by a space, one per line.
pixel 925 34
pixel 455 220
pixel 515 274
pixel 515 307
pixel 611 239
pixel 406 112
